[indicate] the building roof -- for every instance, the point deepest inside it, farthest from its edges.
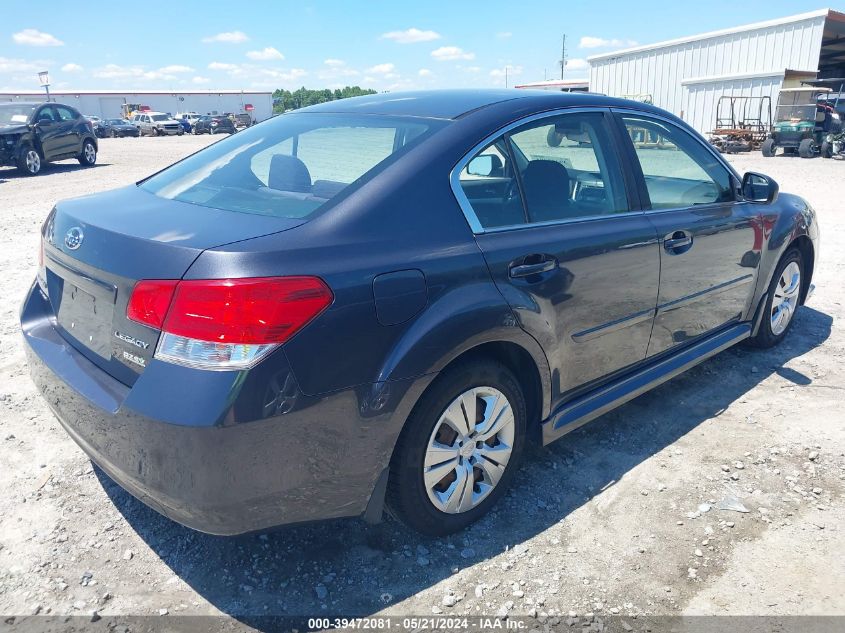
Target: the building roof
(737, 29)
(556, 83)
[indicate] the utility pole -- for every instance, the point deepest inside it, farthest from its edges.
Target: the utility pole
(506, 76)
(563, 58)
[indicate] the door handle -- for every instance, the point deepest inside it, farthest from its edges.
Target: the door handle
(526, 270)
(676, 241)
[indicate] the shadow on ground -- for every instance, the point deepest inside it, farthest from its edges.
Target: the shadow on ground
(47, 169)
(351, 568)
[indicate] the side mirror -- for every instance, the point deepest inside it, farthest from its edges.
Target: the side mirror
(44, 122)
(484, 165)
(759, 188)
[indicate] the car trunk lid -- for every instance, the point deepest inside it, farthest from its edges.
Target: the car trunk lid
(97, 247)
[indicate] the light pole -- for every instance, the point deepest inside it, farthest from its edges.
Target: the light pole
(44, 78)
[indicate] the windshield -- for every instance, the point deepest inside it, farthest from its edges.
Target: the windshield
(15, 113)
(291, 165)
(117, 122)
(796, 113)
(160, 117)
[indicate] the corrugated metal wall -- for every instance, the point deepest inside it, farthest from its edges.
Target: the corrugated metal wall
(687, 78)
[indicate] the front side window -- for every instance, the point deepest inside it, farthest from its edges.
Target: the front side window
(292, 165)
(559, 168)
(679, 171)
(66, 114)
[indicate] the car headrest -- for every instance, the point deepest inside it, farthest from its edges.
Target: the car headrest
(288, 173)
(546, 184)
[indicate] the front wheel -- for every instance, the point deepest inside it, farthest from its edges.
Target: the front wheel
(783, 298)
(89, 154)
(30, 161)
(807, 148)
(768, 148)
(459, 449)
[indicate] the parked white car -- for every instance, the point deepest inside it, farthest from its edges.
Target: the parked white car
(157, 124)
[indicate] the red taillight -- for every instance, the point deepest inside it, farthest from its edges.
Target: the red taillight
(259, 310)
(150, 300)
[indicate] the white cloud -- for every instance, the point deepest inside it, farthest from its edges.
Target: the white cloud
(512, 71)
(449, 53)
(266, 54)
(381, 69)
(221, 66)
(10, 65)
(577, 64)
(504, 35)
(334, 62)
(72, 68)
(424, 72)
(114, 71)
(33, 37)
(176, 68)
(200, 80)
(229, 37)
(597, 42)
(411, 36)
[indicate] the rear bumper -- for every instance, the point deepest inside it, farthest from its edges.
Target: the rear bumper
(214, 450)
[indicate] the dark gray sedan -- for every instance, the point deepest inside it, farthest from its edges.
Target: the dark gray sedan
(384, 299)
(115, 128)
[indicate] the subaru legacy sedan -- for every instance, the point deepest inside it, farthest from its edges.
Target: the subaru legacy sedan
(377, 303)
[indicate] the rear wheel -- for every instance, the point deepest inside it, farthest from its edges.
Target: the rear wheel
(459, 450)
(30, 161)
(782, 301)
(768, 148)
(88, 157)
(807, 148)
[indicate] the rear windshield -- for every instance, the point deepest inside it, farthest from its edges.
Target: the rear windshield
(291, 165)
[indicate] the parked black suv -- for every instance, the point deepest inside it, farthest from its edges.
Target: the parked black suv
(34, 133)
(214, 124)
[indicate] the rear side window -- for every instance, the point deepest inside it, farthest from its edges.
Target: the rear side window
(556, 169)
(291, 165)
(679, 171)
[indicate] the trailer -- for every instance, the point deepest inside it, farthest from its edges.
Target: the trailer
(742, 123)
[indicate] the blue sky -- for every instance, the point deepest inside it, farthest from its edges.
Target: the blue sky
(397, 45)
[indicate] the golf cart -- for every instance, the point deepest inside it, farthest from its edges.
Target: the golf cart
(803, 120)
(834, 142)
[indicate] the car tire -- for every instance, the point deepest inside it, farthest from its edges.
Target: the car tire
(30, 162)
(441, 507)
(88, 157)
(826, 150)
(788, 289)
(768, 148)
(807, 148)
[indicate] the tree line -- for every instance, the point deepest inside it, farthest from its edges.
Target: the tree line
(284, 100)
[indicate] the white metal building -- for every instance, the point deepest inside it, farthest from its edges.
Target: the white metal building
(687, 76)
(108, 104)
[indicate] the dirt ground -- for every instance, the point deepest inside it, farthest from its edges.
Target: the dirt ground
(619, 517)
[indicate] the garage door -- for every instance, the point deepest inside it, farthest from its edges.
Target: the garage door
(111, 107)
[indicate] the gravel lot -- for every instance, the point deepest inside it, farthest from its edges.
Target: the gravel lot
(619, 517)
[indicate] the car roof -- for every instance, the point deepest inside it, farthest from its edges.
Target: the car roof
(453, 104)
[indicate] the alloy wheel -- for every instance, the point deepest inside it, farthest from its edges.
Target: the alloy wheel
(90, 153)
(469, 450)
(33, 161)
(785, 301)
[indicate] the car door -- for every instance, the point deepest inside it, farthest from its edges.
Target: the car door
(709, 257)
(68, 137)
(48, 132)
(565, 242)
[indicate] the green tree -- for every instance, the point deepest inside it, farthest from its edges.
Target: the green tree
(284, 100)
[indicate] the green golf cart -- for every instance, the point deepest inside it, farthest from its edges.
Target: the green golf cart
(803, 120)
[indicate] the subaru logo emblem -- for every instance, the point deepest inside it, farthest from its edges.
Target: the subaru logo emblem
(73, 238)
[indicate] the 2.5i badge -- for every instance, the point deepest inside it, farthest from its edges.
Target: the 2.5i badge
(132, 358)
